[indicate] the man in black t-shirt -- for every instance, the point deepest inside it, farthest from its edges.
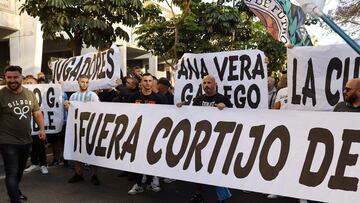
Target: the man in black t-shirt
(210, 98)
(351, 101)
(146, 96)
(163, 87)
(124, 90)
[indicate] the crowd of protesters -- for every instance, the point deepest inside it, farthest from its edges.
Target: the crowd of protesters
(140, 88)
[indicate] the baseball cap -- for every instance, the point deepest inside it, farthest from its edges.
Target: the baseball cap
(164, 81)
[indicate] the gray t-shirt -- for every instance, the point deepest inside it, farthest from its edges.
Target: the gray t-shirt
(15, 116)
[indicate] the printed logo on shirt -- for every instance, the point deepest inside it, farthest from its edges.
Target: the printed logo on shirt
(139, 101)
(21, 111)
(19, 103)
(19, 108)
(204, 103)
(284, 98)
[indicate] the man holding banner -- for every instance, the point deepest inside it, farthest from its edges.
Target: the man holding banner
(146, 96)
(38, 155)
(83, 95)
(17, 106)
(210, 98)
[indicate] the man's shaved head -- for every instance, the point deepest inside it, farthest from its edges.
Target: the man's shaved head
(209, 85)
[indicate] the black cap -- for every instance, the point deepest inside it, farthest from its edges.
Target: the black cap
(164, 81)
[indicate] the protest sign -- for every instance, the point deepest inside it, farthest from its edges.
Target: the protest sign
(50, 98)
(308, 155)
(103, 68)
(240, 75)
(318, 75)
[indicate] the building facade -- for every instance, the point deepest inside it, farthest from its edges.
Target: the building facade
(20, 38)
(21, 43)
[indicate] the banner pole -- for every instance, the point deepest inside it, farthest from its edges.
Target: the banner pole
(340, 32)
(311, 8)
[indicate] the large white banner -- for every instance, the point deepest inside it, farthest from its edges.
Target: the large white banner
(240, 75)
(309, 155)
(50, 98)
(318, 75)
(103, 68)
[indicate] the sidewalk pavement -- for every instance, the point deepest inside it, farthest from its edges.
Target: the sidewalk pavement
(54, 188)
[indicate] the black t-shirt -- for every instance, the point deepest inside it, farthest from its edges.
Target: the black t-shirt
(204, 100)
(153, 98)
(106, 96)
(343, 107)
(169, 97)
(123, 93)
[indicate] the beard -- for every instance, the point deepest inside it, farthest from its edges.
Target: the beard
(14, 86)
(350, 99)
(208, 90)
(83, 88)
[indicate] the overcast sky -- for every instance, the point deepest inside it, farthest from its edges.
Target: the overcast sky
(325, 36)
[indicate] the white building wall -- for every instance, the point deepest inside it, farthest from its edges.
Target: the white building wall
(26, 43)
(26, 46)
(9, 18)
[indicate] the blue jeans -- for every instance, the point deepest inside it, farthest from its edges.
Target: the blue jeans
(15, 157)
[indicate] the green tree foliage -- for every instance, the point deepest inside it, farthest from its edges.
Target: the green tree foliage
(206, 27)
(85, 21)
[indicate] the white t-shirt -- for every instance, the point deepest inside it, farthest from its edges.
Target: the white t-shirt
(282, 97)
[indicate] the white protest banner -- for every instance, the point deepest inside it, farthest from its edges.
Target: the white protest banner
(103, 68)
(240, 75)
(318, 75)
(309, 155)
(50, 98)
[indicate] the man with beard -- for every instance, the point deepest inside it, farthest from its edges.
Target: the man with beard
(351, 101)
(83, 95)
(124, 90)
(17, 105)
(137, 73)
(210, 98)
